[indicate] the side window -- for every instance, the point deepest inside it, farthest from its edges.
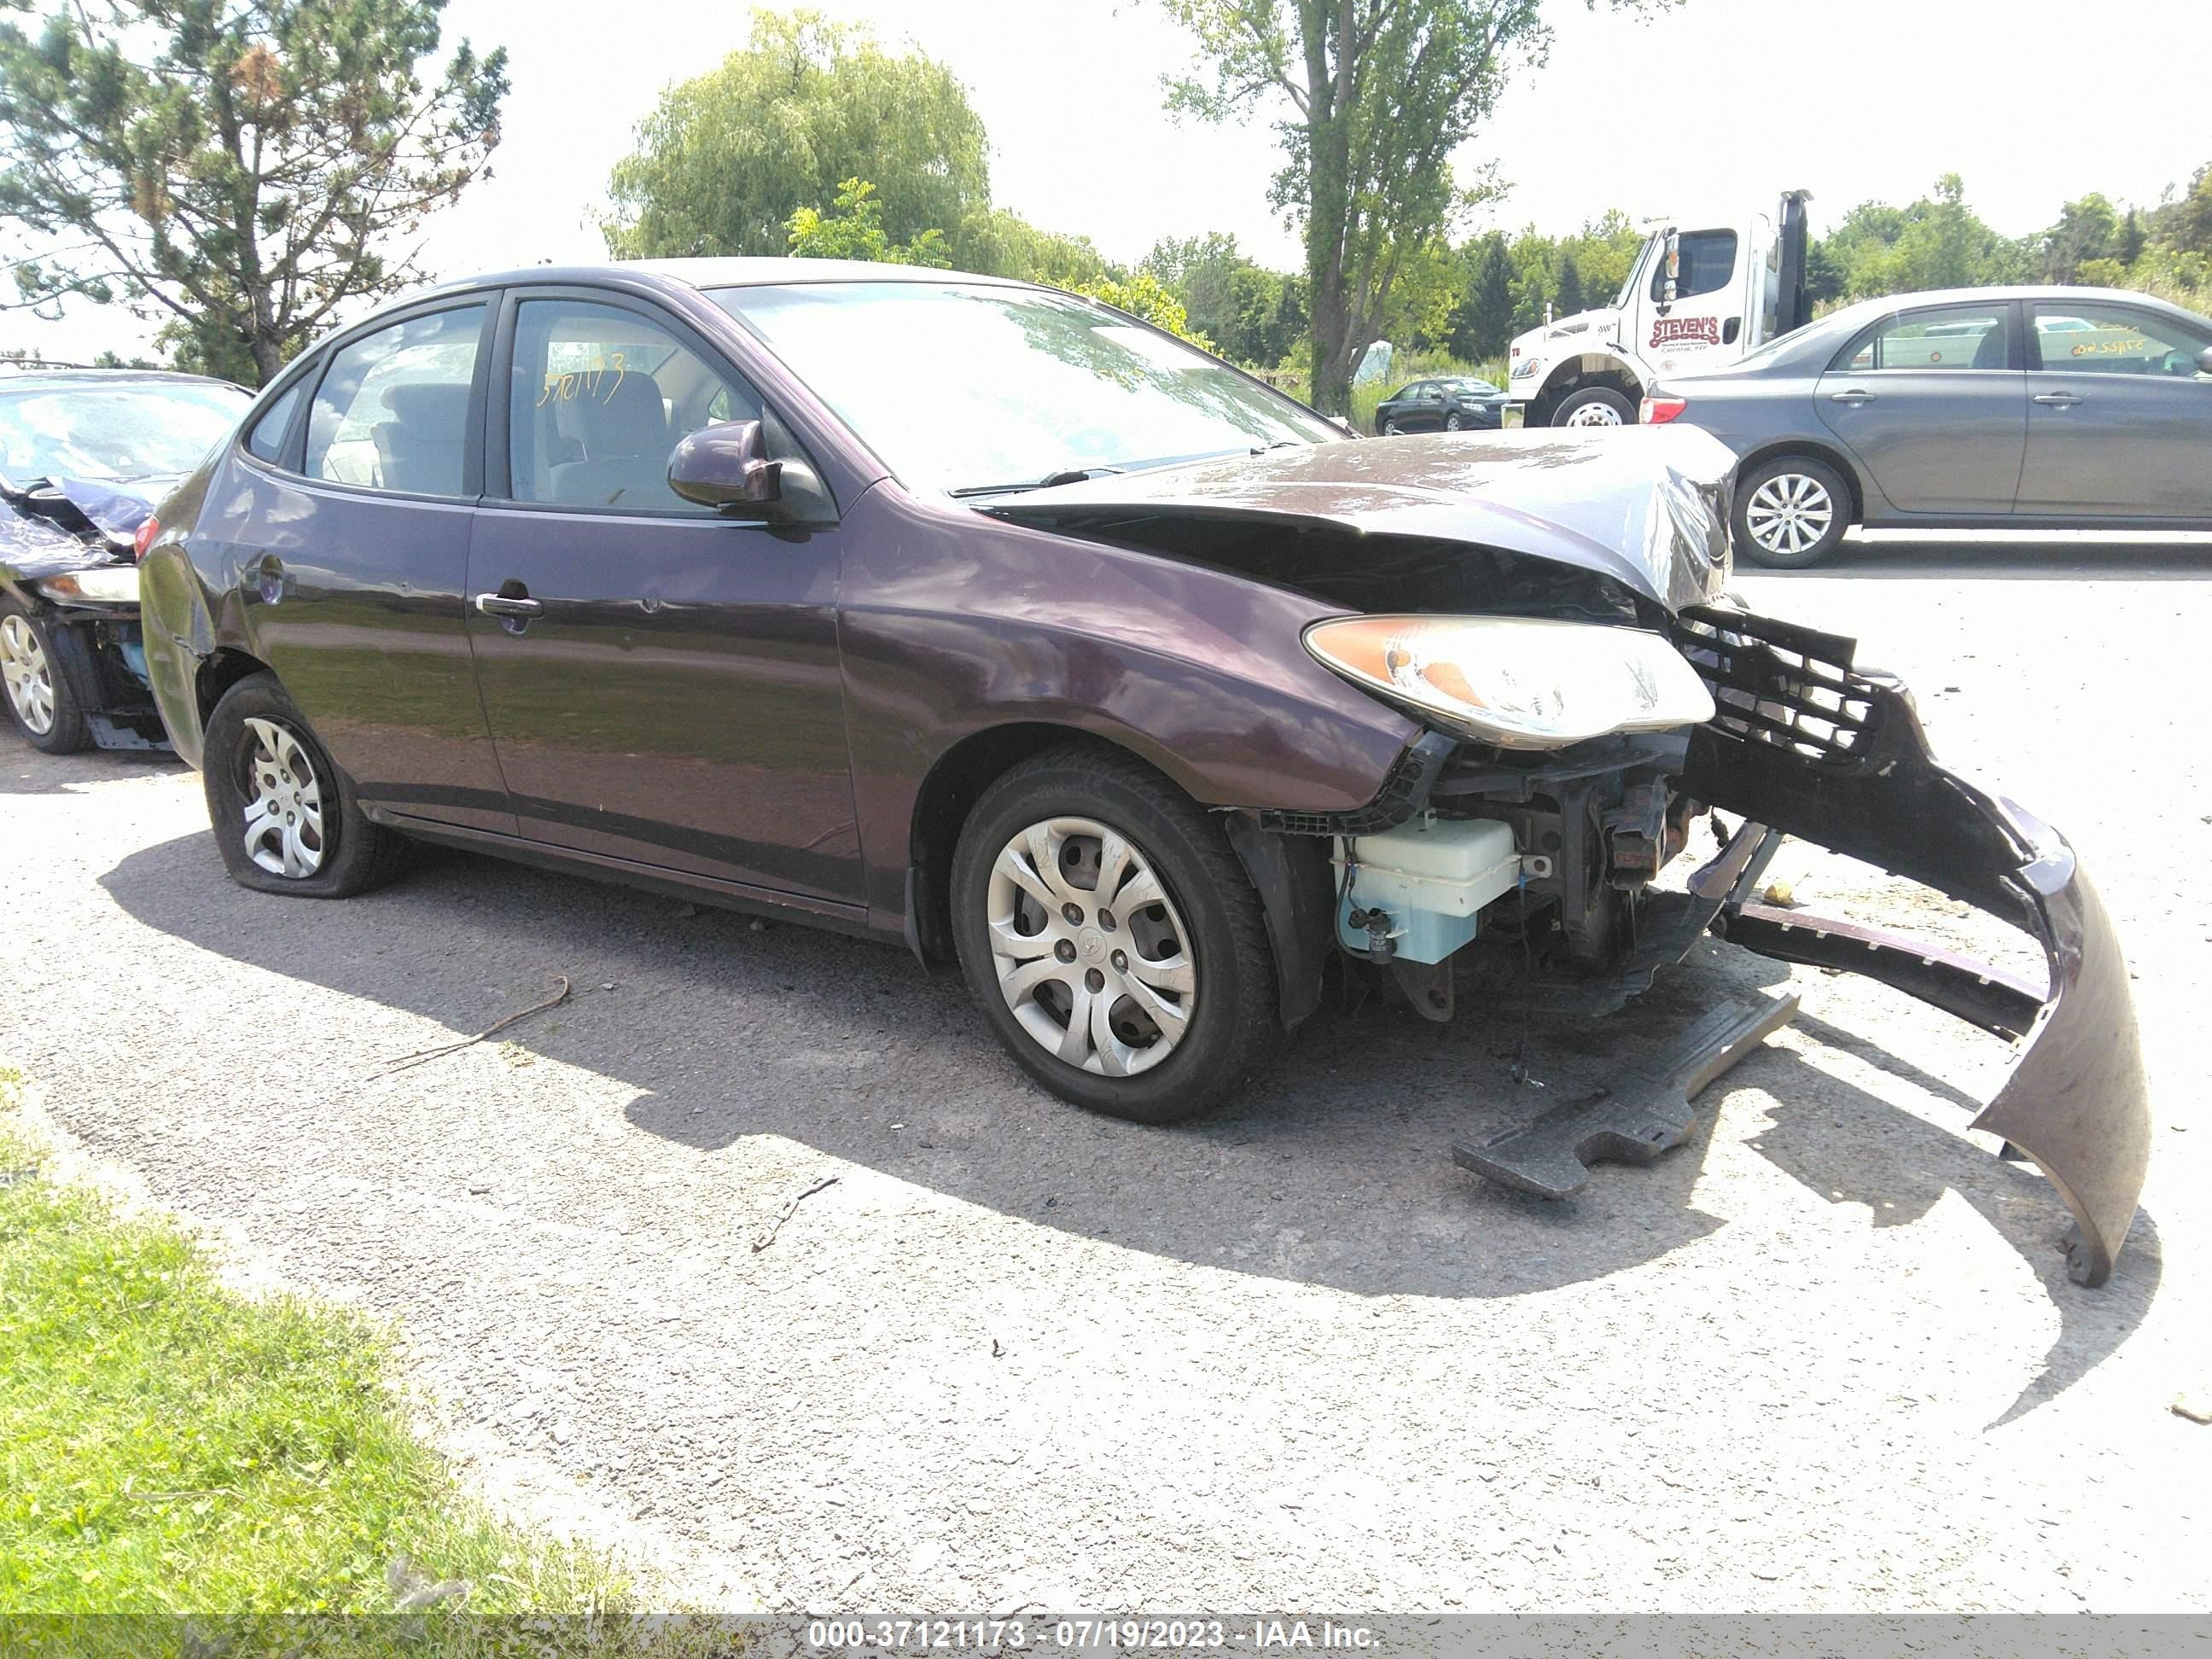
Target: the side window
(1706, 264)
(266, 437)
(2100, 340)
(601, 396)
(1964, 337)
(393, 411)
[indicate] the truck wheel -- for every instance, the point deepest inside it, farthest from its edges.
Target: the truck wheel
(1790, 512)
(1597, 406)
(38, 695)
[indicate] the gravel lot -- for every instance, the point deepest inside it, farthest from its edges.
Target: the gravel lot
(1824, 1358)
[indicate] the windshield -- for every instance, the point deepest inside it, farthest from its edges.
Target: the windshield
(110, 434)
(971, 386)
(1628, 283)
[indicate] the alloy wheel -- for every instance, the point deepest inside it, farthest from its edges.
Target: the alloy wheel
(1089, 950)
(1788, 512)
(27, 674)
(283, 813)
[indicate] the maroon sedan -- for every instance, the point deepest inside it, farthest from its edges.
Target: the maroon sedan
(971, 614)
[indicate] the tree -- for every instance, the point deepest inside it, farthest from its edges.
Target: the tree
(2131, 247)
(2190, 218)
(1142, 295)
(2086, 230)
(1482, 323)
(726, 159)
(239, 168)
(1380, 92)
(856, 232)
(1569, 293)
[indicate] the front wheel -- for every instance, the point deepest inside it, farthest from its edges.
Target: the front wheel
(1790, 512)
(38, 697)
(1112, 938)
(1452, 421)
(285, 820)
(1597, 406)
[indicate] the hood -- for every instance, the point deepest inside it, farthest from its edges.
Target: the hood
(1597, 324)
(1644, 509)
(67, 524)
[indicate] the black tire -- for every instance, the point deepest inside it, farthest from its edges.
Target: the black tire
(1591, 398)
(1386, 428)
(352, 855)
(1234, 1025)
(66, 729)
(1452, 421)
(1826, 481)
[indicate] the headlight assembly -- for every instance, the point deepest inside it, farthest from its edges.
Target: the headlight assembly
(107, 584)
(1519, 683)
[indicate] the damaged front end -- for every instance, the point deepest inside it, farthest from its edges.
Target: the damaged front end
(1552, 854)
(66, 558)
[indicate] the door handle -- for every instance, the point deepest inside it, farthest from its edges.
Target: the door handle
(2057, 399)
(498, 605)
(1853, 396)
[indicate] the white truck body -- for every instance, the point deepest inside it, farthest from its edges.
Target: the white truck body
(1700, 293)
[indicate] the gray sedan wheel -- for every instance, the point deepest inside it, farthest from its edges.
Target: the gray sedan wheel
(1790, 512)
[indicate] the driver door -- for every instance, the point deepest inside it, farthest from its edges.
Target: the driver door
(672, 698)
(2120, 421)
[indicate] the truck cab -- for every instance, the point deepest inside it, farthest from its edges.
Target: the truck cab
(1700, 293)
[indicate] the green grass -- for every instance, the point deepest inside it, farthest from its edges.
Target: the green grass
(168, 1446)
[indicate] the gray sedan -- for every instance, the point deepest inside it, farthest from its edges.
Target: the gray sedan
(2032, 408)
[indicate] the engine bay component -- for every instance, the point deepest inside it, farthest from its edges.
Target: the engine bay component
(1413, 894)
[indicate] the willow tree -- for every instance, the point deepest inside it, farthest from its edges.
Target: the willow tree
(1375, 96)
(726, 159)
(239, 170)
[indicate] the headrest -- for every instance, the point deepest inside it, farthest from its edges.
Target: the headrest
(429, 410)
(623, 416)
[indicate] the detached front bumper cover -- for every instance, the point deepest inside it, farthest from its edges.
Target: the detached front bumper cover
(1808, 744)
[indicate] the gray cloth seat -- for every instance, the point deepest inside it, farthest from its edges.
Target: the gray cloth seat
(419, 449)
(622, 428)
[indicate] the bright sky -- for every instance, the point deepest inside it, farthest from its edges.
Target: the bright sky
(1724, 102)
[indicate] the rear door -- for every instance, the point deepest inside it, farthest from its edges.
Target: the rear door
(1934, 403)
(675, 700)
(2120, 421)
(349, 534)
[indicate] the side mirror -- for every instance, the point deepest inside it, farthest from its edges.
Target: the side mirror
(726, 466)
(2204, 360)
(1673, 265)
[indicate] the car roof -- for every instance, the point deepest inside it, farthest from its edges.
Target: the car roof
(1883, 304)
(730, 272)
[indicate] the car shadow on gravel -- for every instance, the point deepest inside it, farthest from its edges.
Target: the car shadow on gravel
(1333, 1170)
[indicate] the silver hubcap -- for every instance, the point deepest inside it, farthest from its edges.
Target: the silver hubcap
(1389, 428)
(1090, 953)
(1788, 512)
(1595, 415)
(284, 803)
(24, 673)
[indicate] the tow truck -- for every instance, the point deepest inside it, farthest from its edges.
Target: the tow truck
(1701, 292)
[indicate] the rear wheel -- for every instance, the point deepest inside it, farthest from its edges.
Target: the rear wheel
(1596, 406)
(1390, 428)
(285, 820)
(37, 697)
(1790, 512)
(1112, 938)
